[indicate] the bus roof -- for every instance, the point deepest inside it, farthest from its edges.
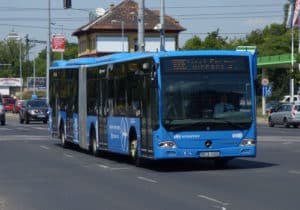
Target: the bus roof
(123, 57)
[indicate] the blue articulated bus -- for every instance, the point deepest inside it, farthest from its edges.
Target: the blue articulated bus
(157, 105)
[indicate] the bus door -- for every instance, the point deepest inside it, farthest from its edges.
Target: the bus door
(103, 108)
(149, 116)
(54, 101)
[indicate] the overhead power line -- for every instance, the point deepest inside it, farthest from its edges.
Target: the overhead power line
(9, 9)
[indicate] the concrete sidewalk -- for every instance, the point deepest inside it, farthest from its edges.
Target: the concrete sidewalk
(261, 120)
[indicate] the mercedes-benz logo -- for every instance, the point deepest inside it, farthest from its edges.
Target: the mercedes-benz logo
(208, 143)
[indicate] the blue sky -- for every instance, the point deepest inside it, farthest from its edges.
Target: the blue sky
(233, 18)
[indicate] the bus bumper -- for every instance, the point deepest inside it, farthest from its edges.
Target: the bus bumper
(242, 151)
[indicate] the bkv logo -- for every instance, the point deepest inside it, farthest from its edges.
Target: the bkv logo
(124, 134)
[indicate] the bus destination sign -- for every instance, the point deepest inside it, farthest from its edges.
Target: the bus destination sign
(205, 63)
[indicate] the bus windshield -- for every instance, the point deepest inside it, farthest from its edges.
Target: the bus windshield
(206, 93)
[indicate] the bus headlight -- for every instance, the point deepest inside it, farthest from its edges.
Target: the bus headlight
(167, 144)
(248, 142)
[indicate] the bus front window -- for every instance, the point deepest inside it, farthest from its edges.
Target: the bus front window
(210, 100)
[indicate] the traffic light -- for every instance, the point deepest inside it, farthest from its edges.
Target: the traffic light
(67, 4)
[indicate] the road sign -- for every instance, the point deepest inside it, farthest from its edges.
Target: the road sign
(264, 81)
(267, 91)
(251, 49)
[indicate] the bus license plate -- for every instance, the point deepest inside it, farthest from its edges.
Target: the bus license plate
(209, 154)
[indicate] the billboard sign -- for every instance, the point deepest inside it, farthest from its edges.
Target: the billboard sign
(58, 43)
(10, 82)
(40, 83)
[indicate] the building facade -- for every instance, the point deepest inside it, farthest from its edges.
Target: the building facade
(115, 30)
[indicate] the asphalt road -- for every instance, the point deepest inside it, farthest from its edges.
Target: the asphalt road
(36, 173)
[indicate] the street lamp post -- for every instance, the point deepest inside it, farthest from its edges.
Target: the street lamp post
(15, 36)
(20, 60)
(48, 51)
(122, 26)
(33, 76)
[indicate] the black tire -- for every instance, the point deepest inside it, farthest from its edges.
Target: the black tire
(63, 141)
(93, 145)
(296, 125)
(45, 121)
(270, 123)
(21, 120)
(285, 123)
(3, 122)
(137, 161)
(27, 120)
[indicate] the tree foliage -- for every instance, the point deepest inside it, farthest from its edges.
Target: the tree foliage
(211, 42)
(10, 54)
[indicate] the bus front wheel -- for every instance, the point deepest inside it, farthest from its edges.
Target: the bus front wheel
(134, 153)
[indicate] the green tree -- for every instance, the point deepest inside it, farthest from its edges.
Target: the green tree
(193, 44)
(215, 41)
(71, 51)
(10, 54)
(212, 41)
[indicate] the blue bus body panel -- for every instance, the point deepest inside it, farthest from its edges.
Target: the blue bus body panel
(75, 128)
(50, 120)
(118, 133)
(190, 144)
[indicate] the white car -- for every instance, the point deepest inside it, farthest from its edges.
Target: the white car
(285, 114)
(286, 99)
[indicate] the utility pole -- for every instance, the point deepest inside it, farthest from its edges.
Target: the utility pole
(141, 38)
(162, 24)
(48, 51)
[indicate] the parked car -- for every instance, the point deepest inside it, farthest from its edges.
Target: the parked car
(17, 106)
(9, 104)
(286, 114)
(33, 110)
(271, 106)
(286, 99)
(2, 112)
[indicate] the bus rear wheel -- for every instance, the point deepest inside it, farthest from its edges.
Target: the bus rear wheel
(63, 141)
(93, 147)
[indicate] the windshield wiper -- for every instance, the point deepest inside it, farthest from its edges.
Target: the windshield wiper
(234, 125)
(202, 125)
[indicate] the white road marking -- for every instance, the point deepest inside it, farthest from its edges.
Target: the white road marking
(116, 169)
(294, 172)
(67, 155)
(112, 168)
(213, 200)
(44, 147)
(146, 179)
(102, 166)
(40, 128)
(23, 138)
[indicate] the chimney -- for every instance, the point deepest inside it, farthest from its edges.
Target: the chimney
(111, 6)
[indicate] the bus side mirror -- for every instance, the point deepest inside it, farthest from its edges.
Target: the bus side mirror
(154, 75)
